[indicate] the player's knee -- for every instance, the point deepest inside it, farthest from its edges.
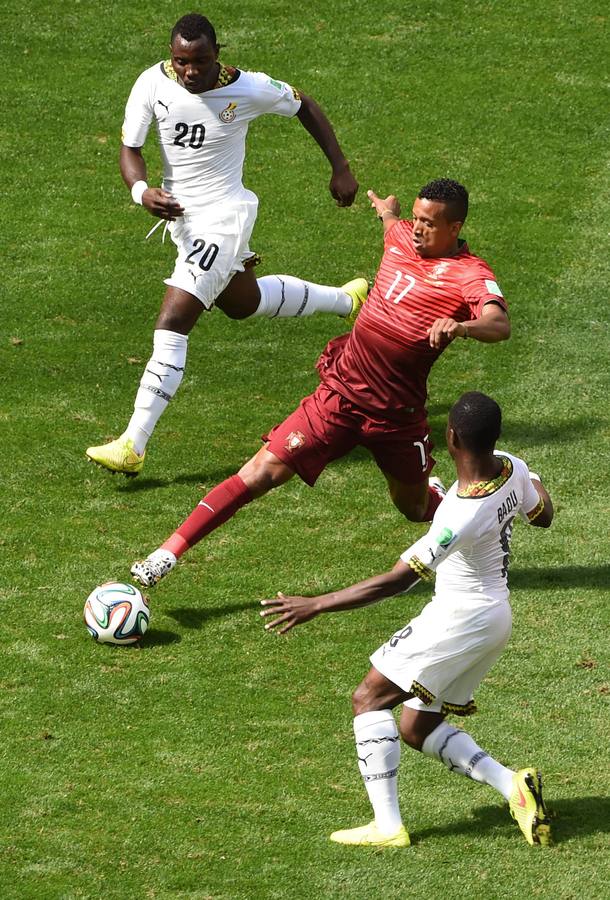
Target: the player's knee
(417, 513)
(263, 473)
(359, 700)
(413, 511)
(366, 699)
(234, 310)
(411, 735)
(257, 478)
(176, 322)
(241, 297)
(411, 502)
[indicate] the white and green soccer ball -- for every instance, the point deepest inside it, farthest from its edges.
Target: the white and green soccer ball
(116, 613)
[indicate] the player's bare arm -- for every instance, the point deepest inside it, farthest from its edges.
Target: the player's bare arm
(293, 611)
(388, 209)
(492, 326)
(343, 186)
(158, 202)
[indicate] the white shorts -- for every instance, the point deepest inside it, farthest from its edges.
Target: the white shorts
(444, 653)
(212, 246)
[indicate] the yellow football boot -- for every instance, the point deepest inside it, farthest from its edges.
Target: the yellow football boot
(118, 456)
(357, 289)
(370, 836)
(528, 809)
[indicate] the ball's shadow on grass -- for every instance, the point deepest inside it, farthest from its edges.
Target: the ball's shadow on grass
(570, 819)
(191, 617)
(157, 638)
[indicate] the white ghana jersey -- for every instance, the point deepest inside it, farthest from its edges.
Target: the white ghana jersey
(468, 543)
(203, 136)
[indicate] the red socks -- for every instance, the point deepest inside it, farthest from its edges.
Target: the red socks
(217, 507)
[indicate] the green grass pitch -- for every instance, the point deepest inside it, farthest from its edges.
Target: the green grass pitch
(213, 761)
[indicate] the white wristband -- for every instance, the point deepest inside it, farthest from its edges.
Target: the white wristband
(137, 190)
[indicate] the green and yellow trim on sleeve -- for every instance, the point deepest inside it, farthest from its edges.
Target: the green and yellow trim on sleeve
(485, 488)
(535, 511)
(422, 570)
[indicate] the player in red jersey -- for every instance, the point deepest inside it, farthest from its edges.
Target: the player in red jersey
(429, 290)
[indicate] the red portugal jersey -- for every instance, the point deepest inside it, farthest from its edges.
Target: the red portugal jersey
(382, 365)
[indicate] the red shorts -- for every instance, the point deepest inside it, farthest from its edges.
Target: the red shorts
(326, 426)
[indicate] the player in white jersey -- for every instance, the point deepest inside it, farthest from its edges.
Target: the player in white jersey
(202, 110)
(434, 664)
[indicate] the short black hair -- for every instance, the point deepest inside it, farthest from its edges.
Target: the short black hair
(477, 421)
(192, 27)
(454, 194)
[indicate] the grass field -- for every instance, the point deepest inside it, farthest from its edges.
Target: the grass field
(213, 761)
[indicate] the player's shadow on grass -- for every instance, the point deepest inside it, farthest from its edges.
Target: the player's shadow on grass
(209, 479)
(528, 433)
(191, 617)
(560, 577)
(570, 819)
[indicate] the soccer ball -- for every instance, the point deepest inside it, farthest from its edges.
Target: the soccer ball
(116, 613)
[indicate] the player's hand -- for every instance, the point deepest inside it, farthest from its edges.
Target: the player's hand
(291, 611)
(343, 186)
(380, 205)
(442, 331)
(161, 204)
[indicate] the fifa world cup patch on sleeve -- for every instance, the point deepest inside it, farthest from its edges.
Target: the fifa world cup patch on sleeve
(276, 84)
(445, 538)
(493, 287)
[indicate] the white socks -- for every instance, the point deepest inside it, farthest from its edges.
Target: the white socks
(457, 750)
(284, 295)
(159, 383)
(378, 749)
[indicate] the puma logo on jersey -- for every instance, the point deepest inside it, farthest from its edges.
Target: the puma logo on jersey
(161, 103)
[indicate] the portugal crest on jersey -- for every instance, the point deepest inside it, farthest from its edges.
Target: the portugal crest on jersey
(227, 115)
